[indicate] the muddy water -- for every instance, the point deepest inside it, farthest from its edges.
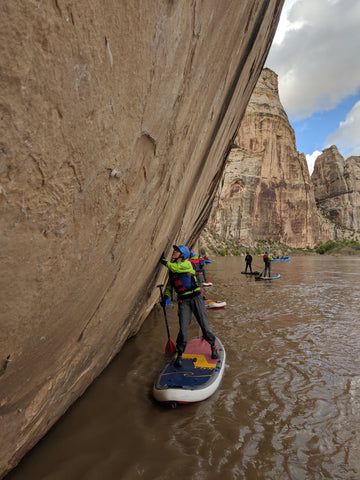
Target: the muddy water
(288, 406)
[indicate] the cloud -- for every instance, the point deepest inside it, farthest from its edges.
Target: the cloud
(311, 160)
(285, 24)
(315, 54)
(347, 136)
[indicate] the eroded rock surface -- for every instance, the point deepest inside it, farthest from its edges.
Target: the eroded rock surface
(116, 120)
(337, 187)
(266, 190)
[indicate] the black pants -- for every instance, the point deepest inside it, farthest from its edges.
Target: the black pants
(248, 265)
(267, 269)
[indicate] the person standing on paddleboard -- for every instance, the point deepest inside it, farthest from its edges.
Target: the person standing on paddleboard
(182, 279)
(248, 260)
(267, 259)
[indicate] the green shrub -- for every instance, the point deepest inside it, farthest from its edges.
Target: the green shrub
(223, 253)
(331, 244)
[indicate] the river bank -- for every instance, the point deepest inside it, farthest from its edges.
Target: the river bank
(215, 245)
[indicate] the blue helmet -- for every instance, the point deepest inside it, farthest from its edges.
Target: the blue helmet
(185, 252)
(267, 253)
(192, 254)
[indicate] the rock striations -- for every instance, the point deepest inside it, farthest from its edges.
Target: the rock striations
(266, 192)
(116, 119)
(337, 187)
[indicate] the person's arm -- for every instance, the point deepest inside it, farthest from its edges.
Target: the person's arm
(168, 290)
(181, 267)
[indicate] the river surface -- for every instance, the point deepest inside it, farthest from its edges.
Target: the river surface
(288, 406)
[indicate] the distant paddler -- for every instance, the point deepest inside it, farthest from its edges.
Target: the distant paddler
(248, 260)
(267, 260)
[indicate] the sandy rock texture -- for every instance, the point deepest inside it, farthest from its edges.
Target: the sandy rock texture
(116, 120)
(337, 187)
(266, 190)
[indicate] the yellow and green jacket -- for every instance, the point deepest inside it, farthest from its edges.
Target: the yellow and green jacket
(182, 279)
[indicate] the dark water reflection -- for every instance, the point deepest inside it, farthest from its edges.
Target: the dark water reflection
(288, 406)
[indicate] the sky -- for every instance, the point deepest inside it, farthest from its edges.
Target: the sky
(316, 55)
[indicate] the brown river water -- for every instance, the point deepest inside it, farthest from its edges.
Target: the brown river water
(288, 406)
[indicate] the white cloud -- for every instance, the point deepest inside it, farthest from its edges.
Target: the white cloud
(347, 136)
(355, 153)
(315, 54)
(285, 24)
(311, 160)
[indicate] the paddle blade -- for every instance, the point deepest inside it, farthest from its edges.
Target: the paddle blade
(170, 347)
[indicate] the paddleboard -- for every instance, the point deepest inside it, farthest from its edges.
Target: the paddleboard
(198, 377)
(207, 284)
(272, 277)
(257, 272)
(214, 304)
(286, 259)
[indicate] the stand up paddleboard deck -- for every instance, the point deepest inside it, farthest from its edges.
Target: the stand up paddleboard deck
(214, 304)
(257, 272)
(198, 377)
(272, 277)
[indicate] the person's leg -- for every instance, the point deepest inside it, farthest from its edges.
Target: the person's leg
(202, 318)
(202, 272)
(184, 313)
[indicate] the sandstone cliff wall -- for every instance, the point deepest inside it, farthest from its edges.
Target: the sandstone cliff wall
(116, 119)
(266, 191)
(337, 187)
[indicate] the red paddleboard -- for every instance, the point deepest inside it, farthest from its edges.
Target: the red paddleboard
(214, 304)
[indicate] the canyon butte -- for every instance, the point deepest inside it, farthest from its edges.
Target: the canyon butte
(266, 192)
(116, 122)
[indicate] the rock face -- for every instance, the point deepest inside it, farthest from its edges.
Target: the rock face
(337, 187)
(266, 190)
(116, 120)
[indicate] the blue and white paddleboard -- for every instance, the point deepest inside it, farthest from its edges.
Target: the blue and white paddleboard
(198, 377)
(272, 277)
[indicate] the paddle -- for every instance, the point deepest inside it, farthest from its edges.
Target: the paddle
(170, 347)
